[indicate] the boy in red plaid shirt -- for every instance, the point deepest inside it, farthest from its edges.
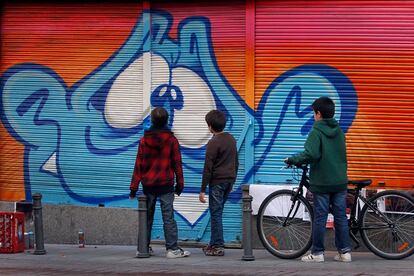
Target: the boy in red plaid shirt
(158, 160)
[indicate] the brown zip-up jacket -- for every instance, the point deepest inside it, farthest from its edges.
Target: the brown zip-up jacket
(221, 162)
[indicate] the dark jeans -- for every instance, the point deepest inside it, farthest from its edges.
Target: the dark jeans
(167, 210)
(321, 209)
(217, 197)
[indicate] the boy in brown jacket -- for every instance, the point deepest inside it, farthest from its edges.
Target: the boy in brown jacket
(219, 174)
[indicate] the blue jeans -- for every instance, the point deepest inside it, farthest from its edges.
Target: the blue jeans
(321, 209)
(217, 196)
(167, 211)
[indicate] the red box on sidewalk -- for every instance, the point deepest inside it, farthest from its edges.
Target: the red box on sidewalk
(11, 232)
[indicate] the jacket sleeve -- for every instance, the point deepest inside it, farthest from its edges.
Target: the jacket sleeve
(312, 151)
(211, 152)
(177, 165)
(136, 175)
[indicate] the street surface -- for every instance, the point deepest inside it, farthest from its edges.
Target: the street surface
(120, 260)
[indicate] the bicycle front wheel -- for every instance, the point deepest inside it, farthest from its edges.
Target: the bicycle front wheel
(389, 231)
(285, 226)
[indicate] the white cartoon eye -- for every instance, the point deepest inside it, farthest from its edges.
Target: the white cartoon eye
(160, 73)
(124, 106)
(189, 124)
(124, 103)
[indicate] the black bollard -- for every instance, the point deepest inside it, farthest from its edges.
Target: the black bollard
(247, 224)
(38, 223)
(142, 248)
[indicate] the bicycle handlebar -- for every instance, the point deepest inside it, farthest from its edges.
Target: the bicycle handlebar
(301, 166)
(358, 183)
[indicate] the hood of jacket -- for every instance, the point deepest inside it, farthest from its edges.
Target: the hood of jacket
(156, 138)
(329, 127)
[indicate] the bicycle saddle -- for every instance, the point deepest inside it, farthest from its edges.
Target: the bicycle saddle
(360, 183)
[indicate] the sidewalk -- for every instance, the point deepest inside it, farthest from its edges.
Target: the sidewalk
(120, 260)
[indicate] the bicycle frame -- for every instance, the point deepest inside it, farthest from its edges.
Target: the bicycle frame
(354, 224)
(368, 216)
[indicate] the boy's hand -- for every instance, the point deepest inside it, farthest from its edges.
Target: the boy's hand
(132, 194)
(178, 191)
(202, 197)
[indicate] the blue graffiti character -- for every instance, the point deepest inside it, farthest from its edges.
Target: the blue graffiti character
(81, 141)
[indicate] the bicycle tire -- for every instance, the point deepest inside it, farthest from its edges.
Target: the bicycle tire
(292, 240)
(390, 241)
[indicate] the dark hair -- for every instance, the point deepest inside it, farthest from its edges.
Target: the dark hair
(159, 117)
(216, 119)
(325, 106)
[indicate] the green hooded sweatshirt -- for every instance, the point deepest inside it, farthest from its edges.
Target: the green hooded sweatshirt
(325, 151)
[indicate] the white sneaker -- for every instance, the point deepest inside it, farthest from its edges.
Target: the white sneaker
(178, 253)
(343, 257)
(313, 258)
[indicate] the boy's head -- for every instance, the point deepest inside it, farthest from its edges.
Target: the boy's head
(216, 120)
(159, 117)
(325, 107)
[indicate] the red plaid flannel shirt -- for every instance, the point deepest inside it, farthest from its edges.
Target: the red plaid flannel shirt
(158, 159)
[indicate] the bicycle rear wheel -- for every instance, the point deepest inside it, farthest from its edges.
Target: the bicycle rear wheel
(390, 232)
(284, 236)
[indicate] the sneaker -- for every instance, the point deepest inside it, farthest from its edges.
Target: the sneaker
(178, 253)
(313, 258)
(346, 257)
(213, 251)
(205, 248)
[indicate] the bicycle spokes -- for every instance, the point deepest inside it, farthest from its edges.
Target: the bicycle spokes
(283, 227)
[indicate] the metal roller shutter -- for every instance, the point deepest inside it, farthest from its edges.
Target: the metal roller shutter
(202, 59)
(371, 44)
(76, 88)
(75, 94)
(58, 62)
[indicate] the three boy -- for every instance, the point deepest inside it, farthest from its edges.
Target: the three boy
(325, 151)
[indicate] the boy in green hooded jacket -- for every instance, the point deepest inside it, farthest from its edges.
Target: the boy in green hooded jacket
(325, 151)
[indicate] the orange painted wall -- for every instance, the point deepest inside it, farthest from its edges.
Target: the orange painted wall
(371, 42)
(71, 39)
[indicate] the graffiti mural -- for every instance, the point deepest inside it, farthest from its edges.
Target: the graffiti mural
(80, 141)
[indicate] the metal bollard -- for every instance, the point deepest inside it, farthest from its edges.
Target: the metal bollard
(247, 224)
(142, 247)
(38, 223)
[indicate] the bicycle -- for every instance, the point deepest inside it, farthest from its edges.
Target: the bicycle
(385, 221)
